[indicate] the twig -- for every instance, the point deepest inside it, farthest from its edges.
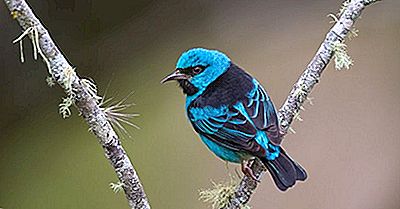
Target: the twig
(78, 91)
(301, 89)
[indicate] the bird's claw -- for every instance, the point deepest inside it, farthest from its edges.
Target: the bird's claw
(248, 172)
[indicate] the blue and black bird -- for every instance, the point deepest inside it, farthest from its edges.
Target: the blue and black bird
(233, 114)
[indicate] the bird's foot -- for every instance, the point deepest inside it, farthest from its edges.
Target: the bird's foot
(247, 171)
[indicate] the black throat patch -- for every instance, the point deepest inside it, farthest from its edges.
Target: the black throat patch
(188, 88)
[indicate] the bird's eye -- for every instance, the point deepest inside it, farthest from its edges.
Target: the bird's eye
(197, 70)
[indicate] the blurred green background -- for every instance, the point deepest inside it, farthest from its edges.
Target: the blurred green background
(348, 142)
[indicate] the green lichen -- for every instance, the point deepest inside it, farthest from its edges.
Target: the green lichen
(50, 81)
(353, 33)
(292, 130)
(298, 117)
(69, 100)
(310, 100)
(15, 14)
(221, 193)
(64, 106)
(91, 88)
(340, 56)
(69, 73)
(117, 187)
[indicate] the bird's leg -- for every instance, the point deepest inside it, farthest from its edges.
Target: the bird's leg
(247, 170)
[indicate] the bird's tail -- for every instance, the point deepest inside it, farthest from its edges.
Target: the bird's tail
(284, 171)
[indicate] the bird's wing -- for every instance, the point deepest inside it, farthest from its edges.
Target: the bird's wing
(262, 112)
(227, 126)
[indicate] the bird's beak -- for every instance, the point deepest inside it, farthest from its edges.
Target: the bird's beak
(176, 75)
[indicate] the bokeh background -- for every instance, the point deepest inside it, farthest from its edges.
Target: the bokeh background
(348, 142)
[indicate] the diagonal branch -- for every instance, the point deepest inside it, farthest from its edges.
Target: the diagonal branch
(302, 88)
(85, 100)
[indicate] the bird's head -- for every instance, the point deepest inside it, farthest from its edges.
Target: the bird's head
(197, 68)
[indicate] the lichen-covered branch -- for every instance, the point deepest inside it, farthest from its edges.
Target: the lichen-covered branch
(302, 88)
(82, 95)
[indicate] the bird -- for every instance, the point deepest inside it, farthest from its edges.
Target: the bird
(233, 114)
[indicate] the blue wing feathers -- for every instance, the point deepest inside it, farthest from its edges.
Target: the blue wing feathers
(211, 128)
(237, 121)
(262, 112)
(266, 117)
(255, 110)
(242, 125)
(237, 133)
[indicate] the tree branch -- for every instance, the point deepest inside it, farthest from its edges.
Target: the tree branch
(301, 89)
(85, 99)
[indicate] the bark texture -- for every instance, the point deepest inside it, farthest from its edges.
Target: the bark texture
(301, 89)
(86, 102)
